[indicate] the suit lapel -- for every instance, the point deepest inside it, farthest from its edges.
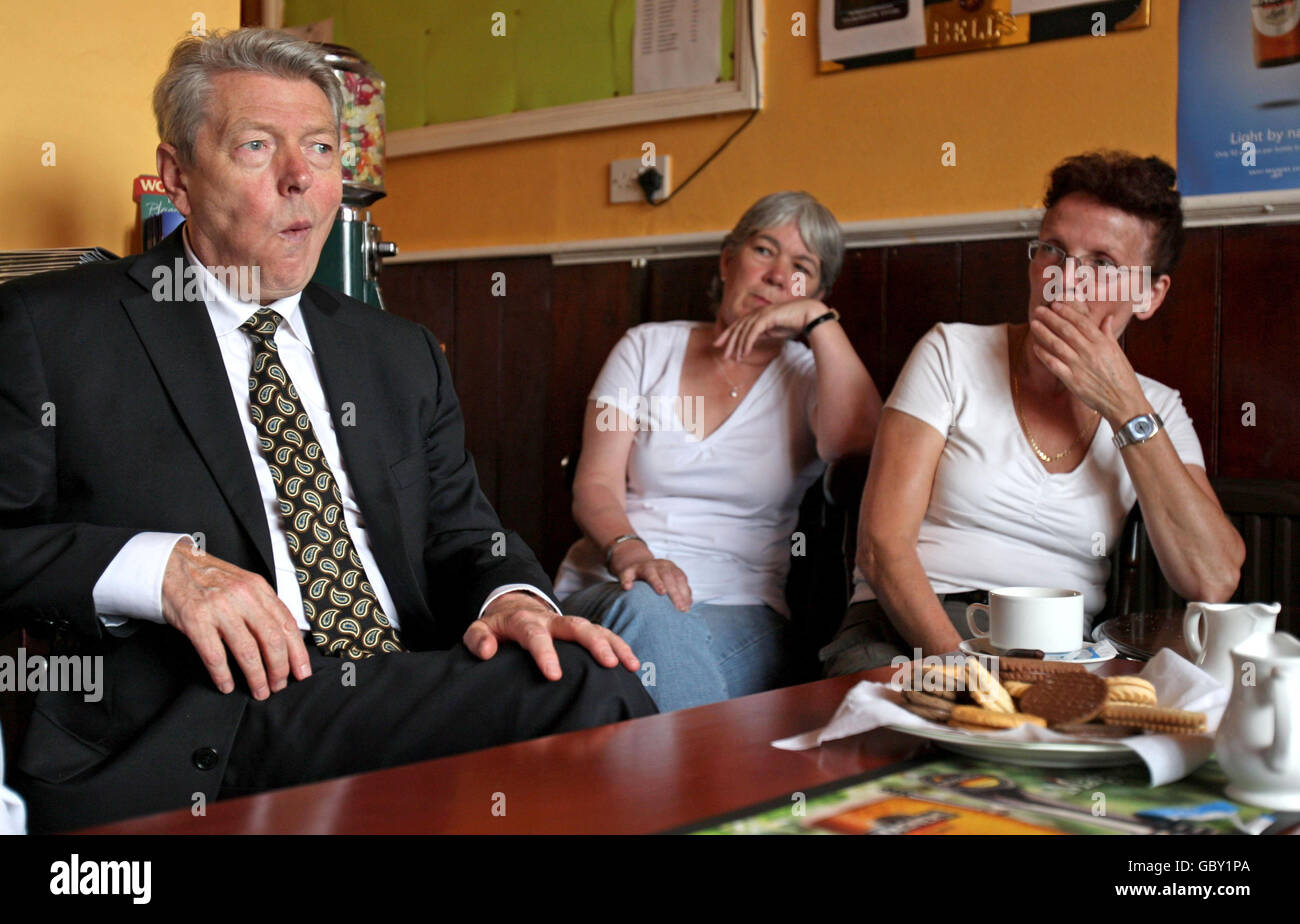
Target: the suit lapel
(360, 416)
(179, 338)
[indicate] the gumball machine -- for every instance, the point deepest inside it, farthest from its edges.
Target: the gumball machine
(352, 257)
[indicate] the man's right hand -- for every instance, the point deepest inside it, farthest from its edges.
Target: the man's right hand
(218, 606)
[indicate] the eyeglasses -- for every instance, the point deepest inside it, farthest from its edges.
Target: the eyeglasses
(1050, 254)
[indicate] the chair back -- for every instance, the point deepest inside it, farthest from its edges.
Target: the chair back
(1266, 513)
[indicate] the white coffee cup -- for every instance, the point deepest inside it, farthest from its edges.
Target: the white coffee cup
(1049, 619)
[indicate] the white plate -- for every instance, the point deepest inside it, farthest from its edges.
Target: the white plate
(986, 746)
(1090, 653)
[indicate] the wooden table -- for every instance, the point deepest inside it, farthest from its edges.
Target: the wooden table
(636, 777)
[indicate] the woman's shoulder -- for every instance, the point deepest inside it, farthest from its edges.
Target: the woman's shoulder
(656, 332)
(957, 345)
(963, 336)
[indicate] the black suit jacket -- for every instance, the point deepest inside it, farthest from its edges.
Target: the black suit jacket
(116, 417)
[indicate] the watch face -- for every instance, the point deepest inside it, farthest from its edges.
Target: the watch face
(1142, 428)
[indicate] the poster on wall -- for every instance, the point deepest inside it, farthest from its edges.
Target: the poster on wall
(864, 33)
(1238, 96)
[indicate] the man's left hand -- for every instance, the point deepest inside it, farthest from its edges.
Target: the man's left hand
(522, 618)
(1088, 360)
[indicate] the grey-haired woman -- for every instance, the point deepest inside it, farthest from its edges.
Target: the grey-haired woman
(699, 441)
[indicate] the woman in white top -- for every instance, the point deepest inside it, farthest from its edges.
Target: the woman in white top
(998, 461)
(698, 444)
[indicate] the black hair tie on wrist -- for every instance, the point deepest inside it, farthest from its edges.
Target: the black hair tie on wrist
(831, 315)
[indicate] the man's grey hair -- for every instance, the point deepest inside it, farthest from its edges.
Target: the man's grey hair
(180, 99)
(817, 226)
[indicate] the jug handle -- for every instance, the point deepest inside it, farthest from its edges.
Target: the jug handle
(1280, 756)
(1192, 632)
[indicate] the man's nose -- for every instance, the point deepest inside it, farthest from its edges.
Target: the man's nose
(295, 172)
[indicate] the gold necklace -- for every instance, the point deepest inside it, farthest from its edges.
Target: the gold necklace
(1015, 391)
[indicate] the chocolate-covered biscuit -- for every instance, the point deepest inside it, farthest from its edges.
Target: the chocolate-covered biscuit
(1066, 698)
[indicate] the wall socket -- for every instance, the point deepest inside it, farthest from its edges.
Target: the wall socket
(623, 186)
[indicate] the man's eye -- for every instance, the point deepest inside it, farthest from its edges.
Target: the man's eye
(322, 147)
(255, 145)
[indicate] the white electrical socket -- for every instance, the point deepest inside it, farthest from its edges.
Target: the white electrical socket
(623, 186)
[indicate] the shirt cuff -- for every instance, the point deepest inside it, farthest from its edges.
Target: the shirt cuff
(511, 588)
(131, 585)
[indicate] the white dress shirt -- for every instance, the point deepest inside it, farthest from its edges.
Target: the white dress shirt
(131, 585)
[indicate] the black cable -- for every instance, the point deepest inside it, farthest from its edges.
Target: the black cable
(753, 50)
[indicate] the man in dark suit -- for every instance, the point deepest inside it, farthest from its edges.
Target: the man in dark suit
(187, 478)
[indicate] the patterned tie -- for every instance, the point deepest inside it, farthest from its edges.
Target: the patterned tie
(337, 600)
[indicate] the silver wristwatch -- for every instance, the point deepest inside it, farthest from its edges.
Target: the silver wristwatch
(1138, 430)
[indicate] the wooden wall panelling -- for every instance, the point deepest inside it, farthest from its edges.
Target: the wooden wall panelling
(994, 282)
(479, 316)
(424, 293)
(679, 289)
(526, 358)
(922, 288)
(1260, 343)
(858, 295)
(591, 308)
(1178, 345)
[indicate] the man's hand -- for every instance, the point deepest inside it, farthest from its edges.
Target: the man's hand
(522, 618)
(772, 323)
(218, 606)
(1088, 360)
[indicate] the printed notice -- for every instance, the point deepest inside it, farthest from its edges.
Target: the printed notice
(677, 44)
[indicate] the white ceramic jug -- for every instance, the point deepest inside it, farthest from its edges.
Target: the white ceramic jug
(1225, 626)
(1258, 742)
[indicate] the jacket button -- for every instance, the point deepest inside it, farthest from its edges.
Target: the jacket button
(205, 758)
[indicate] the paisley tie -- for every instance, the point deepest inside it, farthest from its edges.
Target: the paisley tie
(338, 601)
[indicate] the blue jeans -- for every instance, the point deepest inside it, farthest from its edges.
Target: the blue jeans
(706, 655)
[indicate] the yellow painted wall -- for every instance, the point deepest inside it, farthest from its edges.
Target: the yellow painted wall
(80, 74)
(866, 142)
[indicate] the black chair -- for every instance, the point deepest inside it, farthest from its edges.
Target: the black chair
(821, 579)
(1266, 513)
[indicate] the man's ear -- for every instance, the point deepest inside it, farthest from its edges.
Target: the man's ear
(1159, 289)
(173, 177)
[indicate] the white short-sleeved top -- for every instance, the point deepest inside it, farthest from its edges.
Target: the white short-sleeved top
(996, 518)
(724, 508)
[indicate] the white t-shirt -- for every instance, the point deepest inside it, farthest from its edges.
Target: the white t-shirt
(996, 518)
(724, 508)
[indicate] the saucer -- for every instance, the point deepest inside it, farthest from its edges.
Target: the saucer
(1087, 653)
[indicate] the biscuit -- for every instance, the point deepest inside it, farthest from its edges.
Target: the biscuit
(1031, 669)
(1130, 689)
(966, 726)
(1153, 718)
(988, 718)
(928, 712)
(941, 680)
(1066, 698)
(1096, 730)
(929, 701)
(1017, 688)
(985, 689)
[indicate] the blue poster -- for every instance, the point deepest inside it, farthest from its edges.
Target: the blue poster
(1238, 96)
